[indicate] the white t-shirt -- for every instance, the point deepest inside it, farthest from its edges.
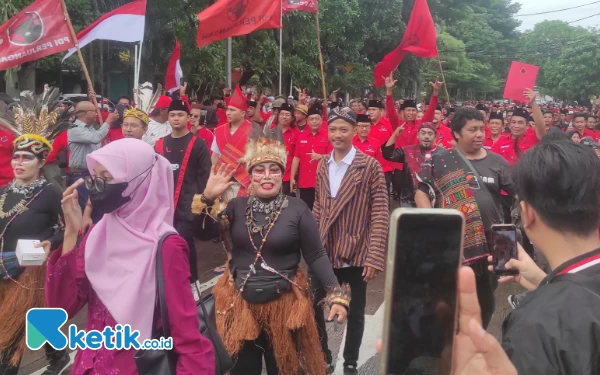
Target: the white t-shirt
(156, 131)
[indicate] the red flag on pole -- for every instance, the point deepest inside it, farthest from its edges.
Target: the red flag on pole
(37, 31)
(227, 18)
(419, 39)
(174, 72)
(302, 5)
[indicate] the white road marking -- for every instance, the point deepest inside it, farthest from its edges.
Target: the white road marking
(373, 332)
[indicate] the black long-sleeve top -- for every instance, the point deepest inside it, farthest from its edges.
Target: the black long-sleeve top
(294, 235)
(404, 180)
(41, 221)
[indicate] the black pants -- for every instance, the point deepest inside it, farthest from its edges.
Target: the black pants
(308, 196)
(356, 314)
(388, 181)
(186, 230)
(486, 284)
(250, 357)
(285, 187)
(51, 353)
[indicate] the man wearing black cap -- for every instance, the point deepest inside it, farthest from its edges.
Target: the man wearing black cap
(191, 164)
(412, 158)
(286, 133)
(369, 145)
(496, 124)
(352, 210)
(313, 145)
(484, 111)
(522, 137)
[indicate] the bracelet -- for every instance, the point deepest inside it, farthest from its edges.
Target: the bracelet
(339, 295)
(201, 205)
(207, 201)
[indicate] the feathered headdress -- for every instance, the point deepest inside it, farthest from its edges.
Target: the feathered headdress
(36, 120)
(146, 97)
(264, 150)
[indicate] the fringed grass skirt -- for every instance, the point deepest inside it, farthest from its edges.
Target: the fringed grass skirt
(288, 321)
(15, 301)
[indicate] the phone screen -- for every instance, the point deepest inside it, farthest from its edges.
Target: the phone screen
(504, 248)
(423, 304)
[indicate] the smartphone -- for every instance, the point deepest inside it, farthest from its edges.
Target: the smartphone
(425, 252)
(504, 248)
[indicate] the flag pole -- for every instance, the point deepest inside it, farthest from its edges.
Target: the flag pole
(281, 51)
(443, 78)
(83, 66)
(135, 65)
(321, 58)
(139, 66)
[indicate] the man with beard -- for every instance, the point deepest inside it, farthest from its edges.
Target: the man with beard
(522, 137)
(412, 158)
(469, 179)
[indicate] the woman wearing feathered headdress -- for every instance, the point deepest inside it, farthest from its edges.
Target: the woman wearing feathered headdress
(262, 301)
(29, 209)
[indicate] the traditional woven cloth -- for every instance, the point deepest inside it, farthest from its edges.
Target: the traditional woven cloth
(447, 178)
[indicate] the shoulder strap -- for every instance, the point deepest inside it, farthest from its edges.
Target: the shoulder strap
(160, 288)
(586, 282)
(475, 173)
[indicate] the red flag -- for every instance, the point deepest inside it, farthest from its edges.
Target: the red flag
(303, 5)
(419, 39)
(520, 77)
(227, 18)
(174, 72)
(37, 31)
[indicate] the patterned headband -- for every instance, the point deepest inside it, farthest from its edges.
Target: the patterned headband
(33, 143)
(134, 112)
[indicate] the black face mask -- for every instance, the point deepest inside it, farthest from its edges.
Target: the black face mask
(111, 199)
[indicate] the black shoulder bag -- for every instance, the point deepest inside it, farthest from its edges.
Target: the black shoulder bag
(164, 362)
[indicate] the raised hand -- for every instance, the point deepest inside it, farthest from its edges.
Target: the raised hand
(437, 85)
(531, 95)
(71, 208)
(390, 82)
(219, 180)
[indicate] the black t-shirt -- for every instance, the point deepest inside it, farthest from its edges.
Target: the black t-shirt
(174, 151)
(494, 170)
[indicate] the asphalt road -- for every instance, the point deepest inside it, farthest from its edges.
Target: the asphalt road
(210, 255)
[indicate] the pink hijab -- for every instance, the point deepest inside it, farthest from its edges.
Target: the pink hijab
(120, 253)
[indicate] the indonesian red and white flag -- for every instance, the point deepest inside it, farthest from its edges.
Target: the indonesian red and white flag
(227, 18)
(174, 72)
(124, 24)
(37, 31)
(302, 5)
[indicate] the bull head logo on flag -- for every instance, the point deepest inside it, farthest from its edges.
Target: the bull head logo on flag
(27, 29)
(236, 11)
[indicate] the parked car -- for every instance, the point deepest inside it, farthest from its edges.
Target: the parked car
(76, 98)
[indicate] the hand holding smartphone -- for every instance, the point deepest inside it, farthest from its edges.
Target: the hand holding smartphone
(504, 248)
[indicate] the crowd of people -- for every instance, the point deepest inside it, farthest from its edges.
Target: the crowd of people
(278, 180)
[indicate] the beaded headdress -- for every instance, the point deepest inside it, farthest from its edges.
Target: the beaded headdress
(134, 112)
(36, 120)
(264, 150)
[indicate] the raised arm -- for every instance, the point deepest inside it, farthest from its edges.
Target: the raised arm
(434, 101)
(390, 104)
(538, 116)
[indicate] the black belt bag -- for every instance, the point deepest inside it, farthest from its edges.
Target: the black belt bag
(263, 286)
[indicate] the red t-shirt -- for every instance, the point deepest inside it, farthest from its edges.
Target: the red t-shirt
(594, 134)
(444, 136)
(382, 131)
(6, 153)
(208, 137)
(372, 148)
(505, 146)
(60, 143)
(221, 115)
(307, 143)
(290, 139)
(114, 134)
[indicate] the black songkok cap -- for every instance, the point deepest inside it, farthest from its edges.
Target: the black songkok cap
(375, 104)
(342, 113)
(286, 107)
(363, 118)
(481, 107)
(520, 112)
(438, 108)
(564, 111)
(179, 105)
(316, 109)
(497, 115)
(408, 104)
(252, 103)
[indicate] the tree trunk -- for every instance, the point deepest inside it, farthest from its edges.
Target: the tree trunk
(26, 77)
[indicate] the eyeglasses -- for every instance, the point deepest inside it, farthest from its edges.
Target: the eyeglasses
(131, 126)
(195, 116)
(99, 183)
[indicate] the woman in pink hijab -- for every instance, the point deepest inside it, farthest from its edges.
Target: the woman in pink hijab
(113, 270)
